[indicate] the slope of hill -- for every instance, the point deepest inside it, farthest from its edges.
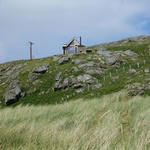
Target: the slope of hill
(110, 67)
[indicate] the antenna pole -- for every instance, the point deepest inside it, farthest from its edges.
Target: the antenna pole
(31, 50)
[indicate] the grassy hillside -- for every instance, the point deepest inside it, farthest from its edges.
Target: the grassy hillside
(114, 122)
(41, 90)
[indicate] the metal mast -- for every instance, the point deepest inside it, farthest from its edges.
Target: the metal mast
(31, 50)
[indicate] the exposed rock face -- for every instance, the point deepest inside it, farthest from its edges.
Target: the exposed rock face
(58, 79)
(41, 69)
(73, 82)
(13, 93)
(63, 60)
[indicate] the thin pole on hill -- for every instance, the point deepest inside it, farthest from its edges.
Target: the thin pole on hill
(31, 50)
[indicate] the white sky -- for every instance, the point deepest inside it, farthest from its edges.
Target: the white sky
(51, 23)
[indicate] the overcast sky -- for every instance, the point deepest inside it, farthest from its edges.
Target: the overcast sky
(51, 23)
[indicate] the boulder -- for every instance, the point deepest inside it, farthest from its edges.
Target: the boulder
(76, 61)
(86, 78)
(41, 69)
(111, 60)
(13, 93)
(101, 48)
(105, 53)
(146, 70)
(132, 71)
(63, 60)
(130, 53)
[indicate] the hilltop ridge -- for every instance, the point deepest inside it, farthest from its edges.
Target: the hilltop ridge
(107, 68)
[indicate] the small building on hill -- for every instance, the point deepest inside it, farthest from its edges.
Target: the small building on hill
(73, 47)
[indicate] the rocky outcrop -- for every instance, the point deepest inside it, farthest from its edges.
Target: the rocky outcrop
(73, 82)
(13, 93)
(41, 69)
(137, 89)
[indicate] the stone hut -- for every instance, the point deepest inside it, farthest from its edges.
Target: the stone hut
(73, 47)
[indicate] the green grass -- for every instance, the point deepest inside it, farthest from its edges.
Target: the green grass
(114, 122)
(45, 82)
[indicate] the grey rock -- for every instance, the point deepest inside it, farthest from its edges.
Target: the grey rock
(105, 53)
(76, 61)
(146, 70)
(58, 76)
(130, 53)
(111, 60)
(101, 48)
(63, 60)
(75, 69)
(78, 85)
(57, 86)
(94, 70)
(56, 58)
(96, 86)
(13, 93)
(80, 90)
(41, 69)
(132, 71)
(32, 77)
(12, 76)
(86, 78)
(9, 72)
(66, 83)
(136, 92)
(138, 86)
(14, 84)
(69, 81)
(90, 64)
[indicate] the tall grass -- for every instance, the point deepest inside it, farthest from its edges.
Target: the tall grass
(112, 122)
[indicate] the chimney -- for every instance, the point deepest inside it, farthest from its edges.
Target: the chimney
(80, 40)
